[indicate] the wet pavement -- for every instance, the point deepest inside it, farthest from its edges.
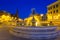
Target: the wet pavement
(5, 35)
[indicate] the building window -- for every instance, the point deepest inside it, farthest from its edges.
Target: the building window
(56, 11)
(51, 12)
(56, 5)
(51, 8)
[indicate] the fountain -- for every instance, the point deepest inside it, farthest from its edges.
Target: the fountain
(33, 32)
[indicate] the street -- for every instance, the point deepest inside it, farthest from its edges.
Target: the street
(5, 35)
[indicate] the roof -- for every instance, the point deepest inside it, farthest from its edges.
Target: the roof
(3, 12)
(53, 4)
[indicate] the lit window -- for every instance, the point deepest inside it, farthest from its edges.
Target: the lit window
(55, 17)
(49, 17)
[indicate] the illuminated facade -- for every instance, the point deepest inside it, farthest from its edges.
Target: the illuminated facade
(53, 13)
(4, 16)
(9, 19)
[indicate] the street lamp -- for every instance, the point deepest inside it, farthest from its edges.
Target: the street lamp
(41, 15)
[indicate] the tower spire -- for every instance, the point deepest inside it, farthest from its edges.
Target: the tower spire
(33, 11)
(33, 19)
(16, 14)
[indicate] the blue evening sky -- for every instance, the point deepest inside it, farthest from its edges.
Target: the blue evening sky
(25, 6)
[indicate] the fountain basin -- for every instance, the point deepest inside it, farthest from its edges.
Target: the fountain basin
(34, 32)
